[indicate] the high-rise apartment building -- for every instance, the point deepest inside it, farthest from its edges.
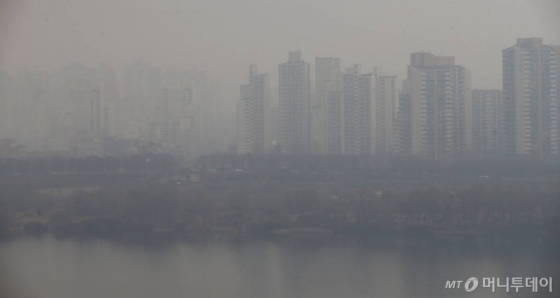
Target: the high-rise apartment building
(403, 129)
(358, 109)
(28, 109)
(82, 111)
(487, 122)
(327, 78)
(176, 124)
(71, 101)
(106, 85)
(253, 126)
(294, 104)
(334, 123)
(531, 95)
(385, 112)
(245, 137)
(142, 88)
(440, 107)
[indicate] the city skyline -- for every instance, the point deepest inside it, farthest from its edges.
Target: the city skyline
(106, 105)
(436, 114)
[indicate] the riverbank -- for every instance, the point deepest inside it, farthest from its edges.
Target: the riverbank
(104, 228)
(138, 209)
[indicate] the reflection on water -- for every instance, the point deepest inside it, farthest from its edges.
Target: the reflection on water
(47, 267)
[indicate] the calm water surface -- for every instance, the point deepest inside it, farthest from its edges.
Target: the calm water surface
(331, 268)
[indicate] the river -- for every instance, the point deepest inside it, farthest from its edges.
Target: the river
(290, 267)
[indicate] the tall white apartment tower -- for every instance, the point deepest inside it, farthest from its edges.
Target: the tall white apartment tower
(245, 140)
(253, 129)
(386, 103)
(531, 90)
(334, 123)
(358, 109)
(294, 104)
(327, 79)
(487, 122)
(440, 107)
(402, 130)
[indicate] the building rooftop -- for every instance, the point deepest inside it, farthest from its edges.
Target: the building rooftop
(530, 42)
(421, 59)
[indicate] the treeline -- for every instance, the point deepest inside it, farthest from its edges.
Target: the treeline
(363, 166)
(142, 210)
(383, 166)
(131, 163)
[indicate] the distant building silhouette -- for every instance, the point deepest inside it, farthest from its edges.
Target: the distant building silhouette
(358, 110)
(328, 78)
(334, 123)
(253, 121)
(294, 104)
(386, 103)
(440, 107)
(531, 86)
(487, 122)
(403, 125)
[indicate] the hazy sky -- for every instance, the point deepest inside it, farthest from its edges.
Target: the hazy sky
(223, 37)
